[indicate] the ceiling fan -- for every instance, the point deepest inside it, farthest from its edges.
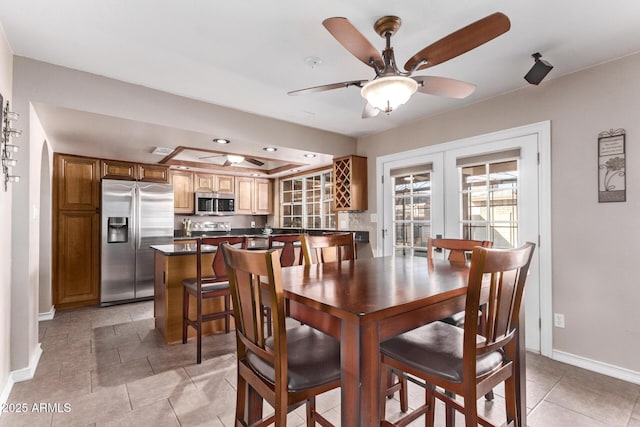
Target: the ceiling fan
(391, 87)
(233, 159)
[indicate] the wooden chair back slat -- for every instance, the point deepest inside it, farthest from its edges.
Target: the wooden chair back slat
(288, 256)
(328, 248)
(457, 248)
(507, 272)
(251, 279)
(217, 264)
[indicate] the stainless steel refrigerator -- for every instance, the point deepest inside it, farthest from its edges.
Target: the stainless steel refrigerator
(135, 215)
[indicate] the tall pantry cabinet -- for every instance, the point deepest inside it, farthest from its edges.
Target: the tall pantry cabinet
(76, 231)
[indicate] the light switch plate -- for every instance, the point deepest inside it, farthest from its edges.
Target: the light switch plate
(373, 218)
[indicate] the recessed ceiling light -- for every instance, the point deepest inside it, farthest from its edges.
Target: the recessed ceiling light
(270, 149)
(221, 141)
(255, 174)
(309, 155)
(295, 170)
(181, 167)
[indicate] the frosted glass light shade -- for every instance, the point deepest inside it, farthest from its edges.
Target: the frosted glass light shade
(234, 159)
(388, 93)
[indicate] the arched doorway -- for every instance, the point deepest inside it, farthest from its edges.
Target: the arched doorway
(45, 307)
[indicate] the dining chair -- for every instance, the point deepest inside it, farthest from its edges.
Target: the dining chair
(461, 361)
(456, 249)
(204, 287)
(328, 248)
(287, 369)
(290, 255)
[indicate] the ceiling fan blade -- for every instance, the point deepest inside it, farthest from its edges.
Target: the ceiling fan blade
(227, 163)
(353, 40)
(461, 41)
(209, 157)
(442, 86)
(254, 161)
(331, 86)
(369, 111)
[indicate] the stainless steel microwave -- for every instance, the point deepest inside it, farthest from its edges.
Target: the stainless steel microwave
(215, 204)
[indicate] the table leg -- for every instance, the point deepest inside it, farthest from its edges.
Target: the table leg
(350, 363)
(360, 359)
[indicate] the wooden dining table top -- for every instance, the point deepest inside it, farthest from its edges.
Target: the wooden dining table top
(374, 288)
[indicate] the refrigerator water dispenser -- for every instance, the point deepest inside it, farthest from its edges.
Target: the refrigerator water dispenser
(118, 229)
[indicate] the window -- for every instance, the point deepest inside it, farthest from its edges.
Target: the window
(307, 201)
(412, 212)
(490, 203)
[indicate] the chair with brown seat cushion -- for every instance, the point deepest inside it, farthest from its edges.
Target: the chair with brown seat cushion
(287, 369)
(204, 287)
(328, 248)
(459, 360)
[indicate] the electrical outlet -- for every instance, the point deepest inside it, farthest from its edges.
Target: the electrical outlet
(558, 320)
(253, 224)
(373, 218)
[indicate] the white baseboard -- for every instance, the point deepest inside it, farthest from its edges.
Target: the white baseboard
(597, 366)
(48, 315)
(6, 390)
(27, 373)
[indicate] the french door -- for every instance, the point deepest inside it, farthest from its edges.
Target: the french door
(485, 189)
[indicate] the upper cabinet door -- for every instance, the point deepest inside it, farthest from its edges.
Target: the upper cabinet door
(263, 196)
(153, 173)
(114, 169)
(77, 182)
(224, 184)
(183, 195)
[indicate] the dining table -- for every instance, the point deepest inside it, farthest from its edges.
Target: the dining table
(365, 301)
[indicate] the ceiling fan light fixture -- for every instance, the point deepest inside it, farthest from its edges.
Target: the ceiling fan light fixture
(235, 159)
(388, 93)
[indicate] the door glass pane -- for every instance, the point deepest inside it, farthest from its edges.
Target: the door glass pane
(489, 200)
(412, 213)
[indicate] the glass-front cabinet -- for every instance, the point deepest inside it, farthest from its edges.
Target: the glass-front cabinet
(307, 201)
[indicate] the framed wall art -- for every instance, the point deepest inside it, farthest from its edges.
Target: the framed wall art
(612, 182)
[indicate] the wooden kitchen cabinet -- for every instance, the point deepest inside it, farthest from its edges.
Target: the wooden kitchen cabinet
(76, 231)
(206, 182)
(76, 182)
(76, 259)
(254, 196)
(116, 169)
(153, 173)
(183, 194)
(350, 183)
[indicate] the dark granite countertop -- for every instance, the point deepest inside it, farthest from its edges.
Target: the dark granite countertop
(181, 249)
(256, 233)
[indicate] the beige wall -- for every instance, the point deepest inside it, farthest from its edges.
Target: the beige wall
(593, 248)
(6, 73)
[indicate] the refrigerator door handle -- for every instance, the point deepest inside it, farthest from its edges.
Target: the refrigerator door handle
(138, 207)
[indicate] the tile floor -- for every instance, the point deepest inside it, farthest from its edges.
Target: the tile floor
(110, 368)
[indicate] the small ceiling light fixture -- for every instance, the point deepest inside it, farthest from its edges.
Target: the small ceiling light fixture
(162, 151)
(255, 174)
(388, 93)
(270, 149)
(235, 159)
(221, 141)
(182, 167)
(539, 70)
(310, 155)
(295, 170)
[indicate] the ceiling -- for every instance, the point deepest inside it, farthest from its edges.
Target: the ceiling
(247, 55)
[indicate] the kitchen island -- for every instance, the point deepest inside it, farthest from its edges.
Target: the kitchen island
(172, 264)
